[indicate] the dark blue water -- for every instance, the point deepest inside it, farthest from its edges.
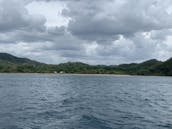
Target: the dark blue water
(35, 101)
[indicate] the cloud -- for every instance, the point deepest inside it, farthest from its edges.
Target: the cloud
(14, 16)
(50, 10)
(96, 32)
(103, 19)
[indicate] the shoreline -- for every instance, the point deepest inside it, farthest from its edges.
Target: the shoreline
(79, 74)
(71, 74)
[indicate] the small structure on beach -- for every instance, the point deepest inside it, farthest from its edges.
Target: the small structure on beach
(61, 72)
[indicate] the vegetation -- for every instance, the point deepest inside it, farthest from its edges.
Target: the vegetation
(12, 64)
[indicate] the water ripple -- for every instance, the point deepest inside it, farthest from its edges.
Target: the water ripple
(36, 101)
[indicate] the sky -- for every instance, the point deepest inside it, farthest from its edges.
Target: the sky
(90, 31)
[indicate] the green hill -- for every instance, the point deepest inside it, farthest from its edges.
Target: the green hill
(12, 64)
(164, 68)
(10, 59)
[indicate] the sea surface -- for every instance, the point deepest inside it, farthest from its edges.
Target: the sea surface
(52, 101)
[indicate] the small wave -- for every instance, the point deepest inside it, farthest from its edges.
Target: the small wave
(94, 122)
(51, 114)
(168, 126)
(70, 100)
(12, 127)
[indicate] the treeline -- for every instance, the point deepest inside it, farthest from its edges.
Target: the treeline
(12, 64)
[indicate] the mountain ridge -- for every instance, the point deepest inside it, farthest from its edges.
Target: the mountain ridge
(8, 58)
(13, 64)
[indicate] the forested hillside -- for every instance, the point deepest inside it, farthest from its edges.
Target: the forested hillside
(12, 64)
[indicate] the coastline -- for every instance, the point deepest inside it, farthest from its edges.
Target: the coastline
(78, 74)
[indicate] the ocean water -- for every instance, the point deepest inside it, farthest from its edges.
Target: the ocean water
(47, 101)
